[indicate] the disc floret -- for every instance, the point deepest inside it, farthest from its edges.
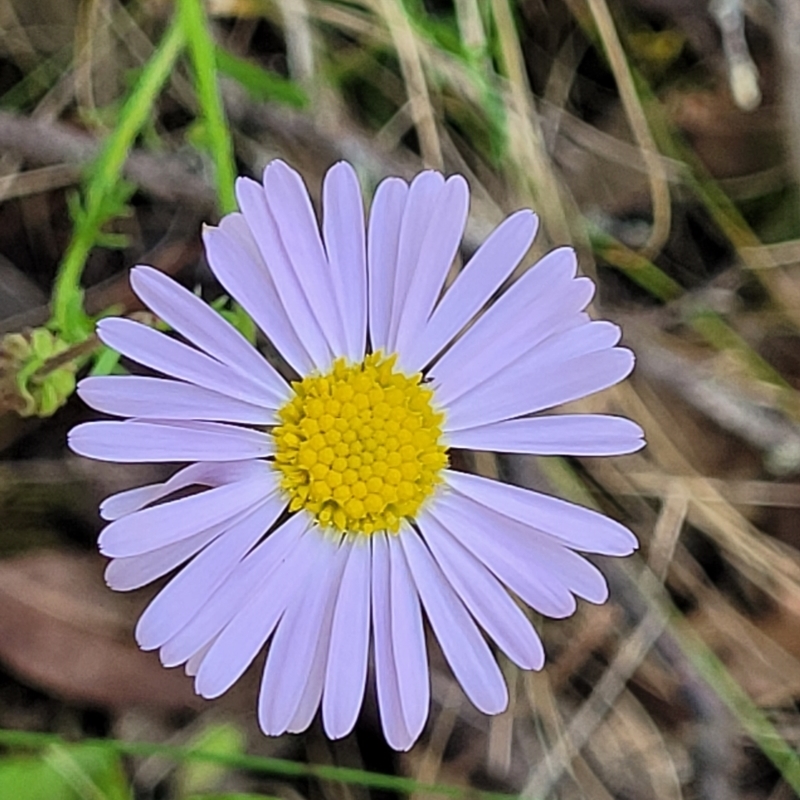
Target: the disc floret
(360, 447)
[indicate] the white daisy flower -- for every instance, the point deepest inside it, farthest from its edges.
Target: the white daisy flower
(327, 519)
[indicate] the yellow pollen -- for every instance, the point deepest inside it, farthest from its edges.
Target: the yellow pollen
(360, 448)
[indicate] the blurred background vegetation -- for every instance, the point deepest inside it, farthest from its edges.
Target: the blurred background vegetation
(661, 138)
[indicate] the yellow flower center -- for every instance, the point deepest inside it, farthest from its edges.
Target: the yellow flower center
(360, 447)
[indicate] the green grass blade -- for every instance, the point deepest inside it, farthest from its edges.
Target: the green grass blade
(274, 766)
(636, 267)
(204, 60)
(754, 721)
(102, 195)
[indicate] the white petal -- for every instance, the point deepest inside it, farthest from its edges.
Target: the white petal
(193, 664)
(575, 526)
(220, 607)
(387, 686)
(520, 390)
(558, 569)
(170, 522)
(156, 350)
(291, 655)
(133, 572)
(180, 599)
(344, 233)
(484, 596)
(260, 218)
(238, 265)
(383, 241)
(423, 195)
(567, 435)
(522, 566)
(248, 630)
(201, 474)
(346, 676)
(463, 646)
(159, 398)
(526, 314)
(408, 642)
(288, 200)
(206, 329)
(312, 694)
(158, 441)
(439, 246)
(493, 262)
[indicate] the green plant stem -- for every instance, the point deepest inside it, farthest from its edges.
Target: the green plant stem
(202, 52)
(30, 740)
(105, 174)
(754, 721)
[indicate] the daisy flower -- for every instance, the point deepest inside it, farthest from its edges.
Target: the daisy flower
(325, 518)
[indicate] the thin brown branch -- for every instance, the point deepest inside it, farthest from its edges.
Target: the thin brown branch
(44, 142)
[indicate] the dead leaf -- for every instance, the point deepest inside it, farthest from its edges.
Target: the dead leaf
(63, 631)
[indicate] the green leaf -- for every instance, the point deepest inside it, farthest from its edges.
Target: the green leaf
(64, 772)
(232, 796)
(266, 765)
(105, 362)
(199, 776)
(237, 317)
(260, 84)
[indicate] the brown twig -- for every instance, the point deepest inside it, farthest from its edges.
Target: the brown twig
(44, 142)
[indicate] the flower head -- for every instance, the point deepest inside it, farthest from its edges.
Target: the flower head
(327, 519)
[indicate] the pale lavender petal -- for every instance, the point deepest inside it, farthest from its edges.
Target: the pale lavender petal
(170, 522)
(524, 567)
(344, 233)
(575, 526)
(247, 632)
(253, 575)
(567, 435)
(288, 200)
(133, 572)
(569, 339)
(387, 685)
(239, 266)
(312, 693)
(493, 262)
(346, 675)
(160, 398)
(484, 596)
(518, 391)
(463, 646)
(156, 350)
(201, 474)
(207, 329)
(423, 196)
(132, 441)
(408, 642)
(122, 503)
(193, 664)
(261, 220)
(291, 655)
(383, 241)
(560, 569)
(568, 343)
(175, 605)
(439, 244)
(528, 312)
